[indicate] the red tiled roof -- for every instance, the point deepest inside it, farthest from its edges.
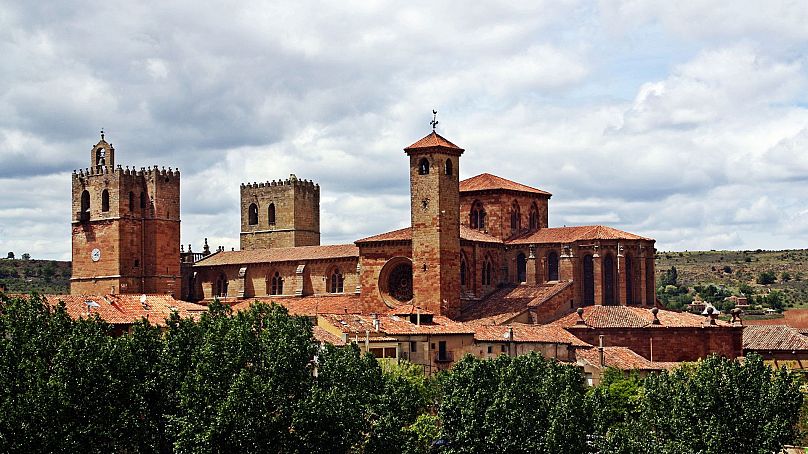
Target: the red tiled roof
(633, 317)
(572, 234)
(324, 336)
(309, 306)
(393, 325)
(773, 337)
(621, 358)
(795, 318)
(405, 234)
(409, 309)
(286, 254)
(433, 140)
(507, 303)
(488, 182)
(118, 309)
(547, 334)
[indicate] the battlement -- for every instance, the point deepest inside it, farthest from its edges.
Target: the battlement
(145, 172)
(292, 181)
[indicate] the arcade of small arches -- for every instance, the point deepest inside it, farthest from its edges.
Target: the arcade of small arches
(478, 215)
(85, 208)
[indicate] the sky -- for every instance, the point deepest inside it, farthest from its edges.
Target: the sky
(686, 122)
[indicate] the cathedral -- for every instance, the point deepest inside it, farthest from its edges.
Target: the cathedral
(479, 257)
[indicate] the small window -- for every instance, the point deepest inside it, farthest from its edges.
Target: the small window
(423, 167)
(85, 206)
(337, 282)
(131, 202)
(142, 200)
(253, 214)
(377, 352)
(413, 346)
(490, 349)
(502, 348)
(552, 266)
(487, 266)
(516, 218)
(276, 284)
(389, 352)
(220, 288)
(105, 200)
(271, 214)
(448, 167)
(534, 217)
(137, 263)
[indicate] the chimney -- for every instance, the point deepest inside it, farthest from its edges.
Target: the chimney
(418, 317)
(375, 322)
(600, 351)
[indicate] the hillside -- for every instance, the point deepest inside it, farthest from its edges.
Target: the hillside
(730, 272)
(42, 276)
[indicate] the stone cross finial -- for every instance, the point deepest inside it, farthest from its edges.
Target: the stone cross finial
(102, 133)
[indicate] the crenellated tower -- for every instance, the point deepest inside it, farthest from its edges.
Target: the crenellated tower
(125, 227)
(283, 213)
(435, 208)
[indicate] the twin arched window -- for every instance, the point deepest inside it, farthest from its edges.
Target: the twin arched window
(534, 217)
(105, 200)
(487, 271)
(423, 166)
(336, 282)
(220, 287)
(276, 284)
(252, 215)
(477, 216)
(516, 218)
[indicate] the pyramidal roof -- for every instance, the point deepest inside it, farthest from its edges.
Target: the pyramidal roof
(433, 140)
(488, 182)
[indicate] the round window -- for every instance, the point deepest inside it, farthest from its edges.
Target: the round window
(395, 281)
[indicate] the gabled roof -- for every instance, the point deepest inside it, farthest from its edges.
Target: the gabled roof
(633, 317)
(309, 305)
(284, 254)
(773, 337)
(507, 303)
(126, 309)
(545, 334)
(405, 234)
(488, 182)
(621, 358)
(433, 140)
(393, 325)
(572, 234)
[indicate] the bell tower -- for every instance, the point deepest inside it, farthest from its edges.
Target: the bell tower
(435, 213)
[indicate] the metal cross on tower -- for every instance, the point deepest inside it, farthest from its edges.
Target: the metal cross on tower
(434, 121)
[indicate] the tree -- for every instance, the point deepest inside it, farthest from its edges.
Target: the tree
(26, 256)
(10, 256)
(785, 276)
(670, 277)
(524, 404)
(766, 278)
(774, 300)
(746, 289)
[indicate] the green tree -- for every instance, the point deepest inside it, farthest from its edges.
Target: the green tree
(766, 278)
(26, 256)
(524, 404)
(785, 276)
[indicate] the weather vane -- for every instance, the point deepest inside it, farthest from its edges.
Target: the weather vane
(434, 121)
(102, 133)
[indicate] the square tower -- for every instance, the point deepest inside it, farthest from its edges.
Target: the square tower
(283, 213)
(125, 227)
(434, 209)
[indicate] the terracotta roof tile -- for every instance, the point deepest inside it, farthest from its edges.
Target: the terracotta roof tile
(548, 334)
(507, 303)
(795, 318)
(633, 317)
(324, 336)
(286, 254)
(393, 325)
(488, 182)
(405, 234)
(773, 337)
(309, 305)
(572, 234)
(118, 309)
(433, 140)
(621, 358)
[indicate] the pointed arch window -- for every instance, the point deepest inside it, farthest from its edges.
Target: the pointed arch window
(516, 220)
(271, 214)
(464, 274)
(448, 167)
(477, 216)
(85, 206)
(252, 214)
(423, 166)
(487, 271)
(534, 217)
(336, 281)
(105, 200)
(276, 284)
(552, 266)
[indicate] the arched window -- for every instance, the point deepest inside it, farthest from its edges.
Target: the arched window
(85, 206)
(448, 167)
(589, 280)
(220, 287)
(276, 284)
(463, 271)
(336, 281)
(534, 217)
(516, 219)
(423, 166)
(487, 271)
(271, 214)
(252, 214)
(552, 266)
(101, 157)
(131, 202)
(477, 216)
(105, 200)
(142, 200)
(521, 268)
(608, 281)
(629, 280)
